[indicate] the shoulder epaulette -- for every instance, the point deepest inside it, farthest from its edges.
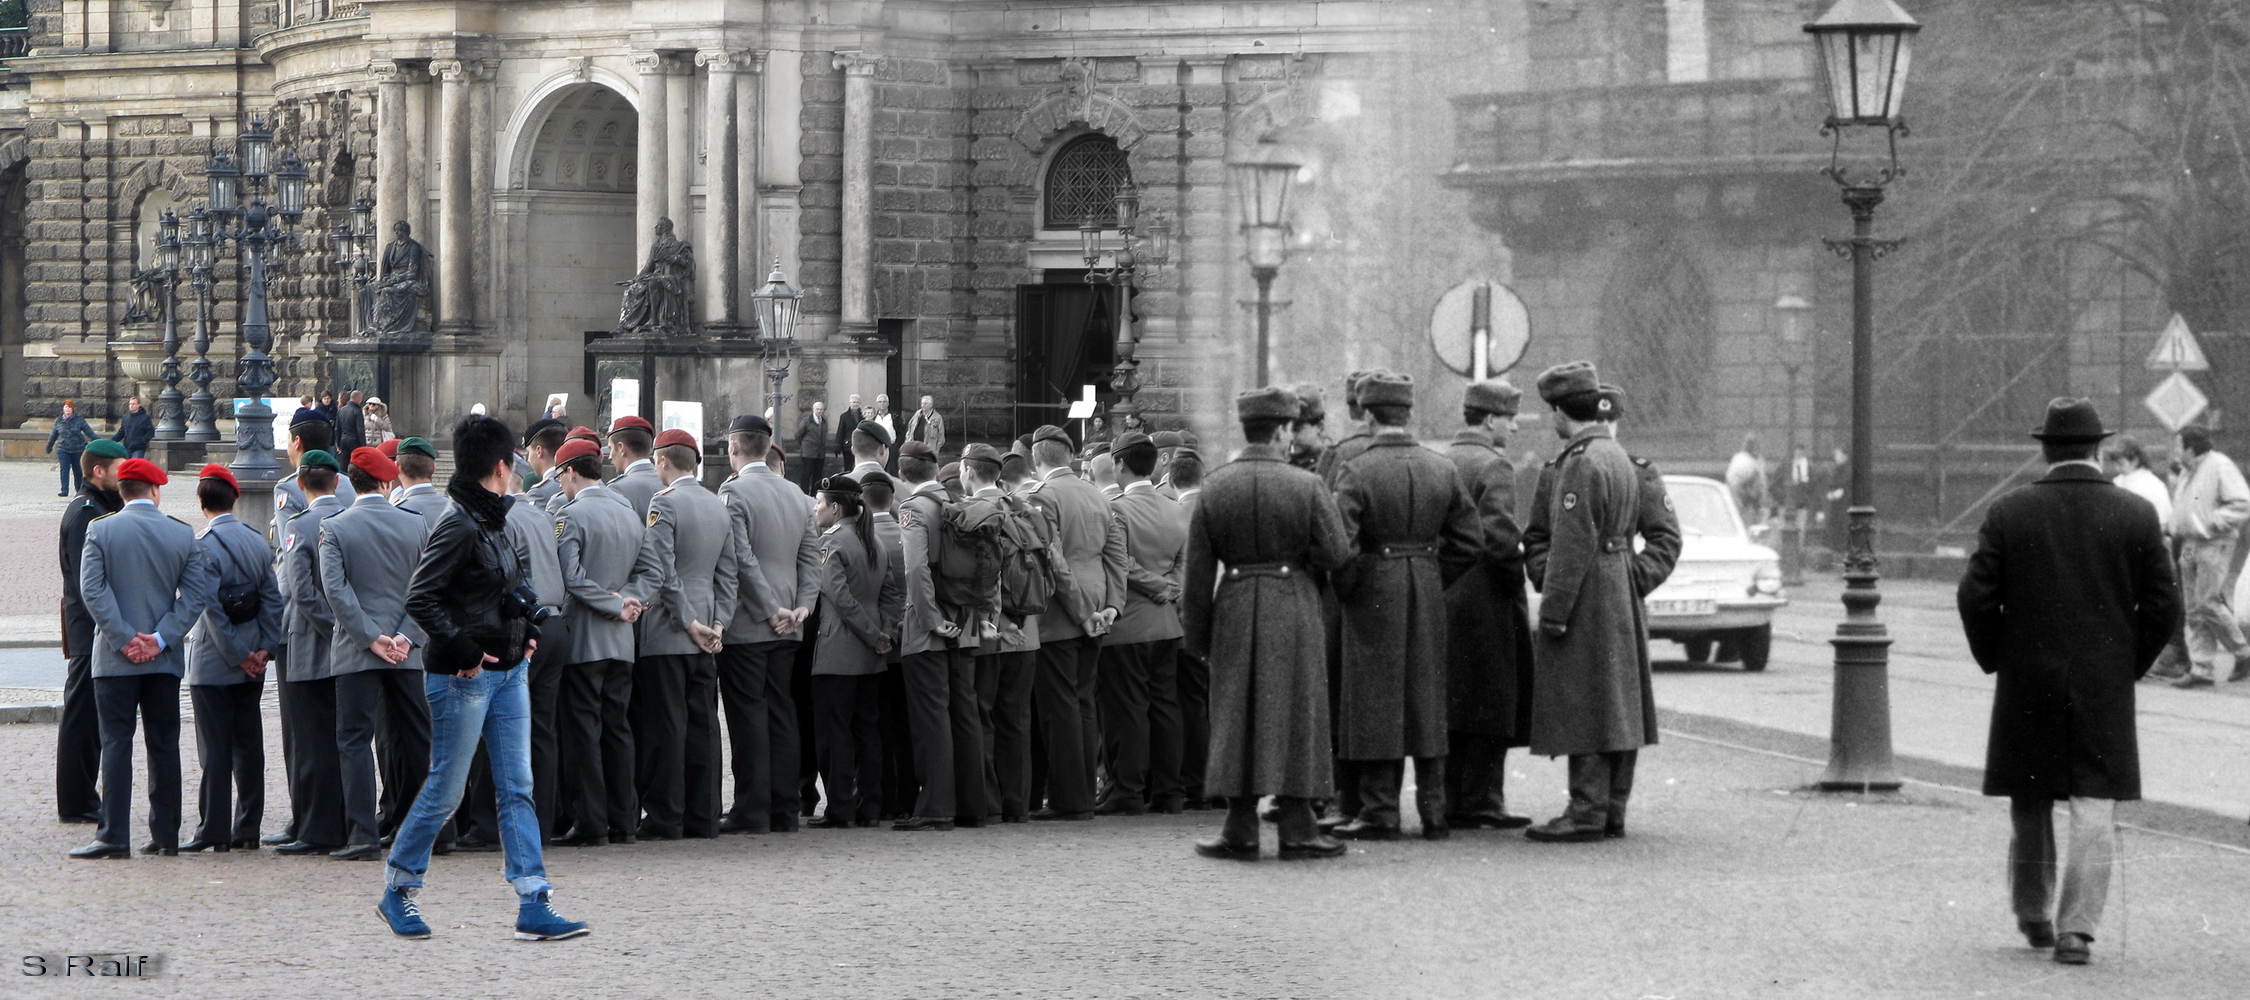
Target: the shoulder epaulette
(1642, 462)
(101, 516)
(663, 491)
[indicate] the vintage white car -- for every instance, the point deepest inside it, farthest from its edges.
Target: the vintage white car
(1726, 587)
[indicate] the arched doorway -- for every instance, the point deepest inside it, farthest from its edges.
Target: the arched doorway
(1065, 327)
(12, 301)
(571, 191)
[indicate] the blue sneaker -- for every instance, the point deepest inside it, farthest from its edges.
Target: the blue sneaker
(537, 920)
(403, 914)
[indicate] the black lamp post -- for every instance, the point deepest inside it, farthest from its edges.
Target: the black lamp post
(202, 247)
(1262, 184)
(1134, 250)
(169, 424)
(352, 245)
(243, 218)
(1864, 49)
(775, 307)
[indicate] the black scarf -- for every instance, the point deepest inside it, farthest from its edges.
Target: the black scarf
(490, 509)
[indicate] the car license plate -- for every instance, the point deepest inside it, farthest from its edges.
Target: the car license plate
(1682, 608)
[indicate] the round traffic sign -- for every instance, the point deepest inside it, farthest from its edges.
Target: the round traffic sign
(1454, 323)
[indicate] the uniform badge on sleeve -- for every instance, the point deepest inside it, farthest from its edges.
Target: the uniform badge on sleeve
(1667, 501)
(558, 528)
(1570, 501)
(289, 542)
(654, 516)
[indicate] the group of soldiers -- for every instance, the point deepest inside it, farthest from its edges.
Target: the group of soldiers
(1048, 632)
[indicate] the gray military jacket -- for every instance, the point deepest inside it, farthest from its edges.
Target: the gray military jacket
(142, 571)
(368, 552)
(892, 603)
(1156, 556)
(307, 618)
(686, 571)
(598, 540)
(546, 489)
(919, 514)
(851, 585)
(636, 484)
(217, 647)
(533, 529)
(289, 501)
(777, 551)
(1090, 543)
(427, 500)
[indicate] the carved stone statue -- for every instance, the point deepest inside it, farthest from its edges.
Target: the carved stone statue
(147, 305)
(401, 285)
(657, 300)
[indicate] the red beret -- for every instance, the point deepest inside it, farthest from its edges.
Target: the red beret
(678, 436)
(575, 449)
(630, 421)
(777, 449)
(217, 471)
(389, 448)
(143, 470)
(917, 449)
(372, 462)
(582, 434)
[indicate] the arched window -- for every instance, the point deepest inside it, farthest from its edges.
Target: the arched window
(1082, 182)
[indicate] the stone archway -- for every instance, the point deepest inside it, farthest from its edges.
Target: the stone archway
(570, 195)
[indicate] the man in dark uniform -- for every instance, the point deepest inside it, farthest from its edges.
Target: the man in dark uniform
(1416, 530)
(777, 543)
(1488, 669)
(1308, 434)
(316, 784)
(1139, 680)
(1331, 459)
(1258, 624)
(1071, 627)
(78, 742)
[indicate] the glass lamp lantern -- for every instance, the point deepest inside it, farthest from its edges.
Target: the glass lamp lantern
(1128, 201)
(1263, 184)
(1865, 48)
(289, 187)
(257, 150)
(776, 307)
(168, 241)
(222, 179)
(1090, 242)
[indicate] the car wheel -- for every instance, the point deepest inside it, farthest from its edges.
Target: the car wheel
(1698, 650)
(1755, 644)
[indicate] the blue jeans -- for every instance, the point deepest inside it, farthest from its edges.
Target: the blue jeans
(68, 460)
(497, 705)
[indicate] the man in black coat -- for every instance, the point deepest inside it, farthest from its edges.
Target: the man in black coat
(2069, 598)
(78, 741)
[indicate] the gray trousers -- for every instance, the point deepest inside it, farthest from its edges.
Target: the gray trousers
(929, 686)
(1600, 783)
(230, 746)
(389, 709)
(2085, 870)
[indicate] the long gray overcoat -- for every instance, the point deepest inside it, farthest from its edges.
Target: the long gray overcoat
(1488, 639)
(1406, 511)
(1591, 691)
(1258, 623)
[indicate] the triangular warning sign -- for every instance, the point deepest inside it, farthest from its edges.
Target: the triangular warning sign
(2177, 351)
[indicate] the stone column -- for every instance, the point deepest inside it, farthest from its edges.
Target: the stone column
(857, 297)
(749, 273)
(652, 164)
(479, 202)
(454, 224)
(681, 149)
(392, 178)
(721, 274)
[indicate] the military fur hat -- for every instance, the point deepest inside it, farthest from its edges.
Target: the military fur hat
(1387, 389)
(1568, 379)
(1270, 403)
(1493, 396)
(1613, 401)
(1311, 408)
(1351, 384)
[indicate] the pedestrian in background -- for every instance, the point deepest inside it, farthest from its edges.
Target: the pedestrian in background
(1746, 477)
(136, 430)
(2126, 463)
(351, 424)
(67, 441)
(376, 422)
(812, 445)
(2068, 599)
(2210, 502)
(927, 425)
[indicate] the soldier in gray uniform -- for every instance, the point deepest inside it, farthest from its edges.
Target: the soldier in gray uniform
(871, 449)
(316, 783)
(417, 467)
(686, 574)
(630, 439)
(1140, 700)
(540, 443)
(598, 539)
(145, 581)
(289, 500)
(367, 555)
(777, 545)
(533, 530)
(226, 670)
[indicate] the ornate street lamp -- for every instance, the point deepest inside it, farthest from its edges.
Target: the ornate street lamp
(351, 246)
(1864, 48)
(1134, 250)
(169, 425)
(240, 215)
(775, 308)
(1262, 183)
(202, 253)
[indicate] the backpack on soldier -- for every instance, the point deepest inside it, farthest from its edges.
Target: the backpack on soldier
(965, 563)
(1027, 581)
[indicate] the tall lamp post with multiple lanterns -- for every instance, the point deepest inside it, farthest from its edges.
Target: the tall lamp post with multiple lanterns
(170, 426)
(240, 215)
(1864, 49)
(1262, 183)
(775, 307)
(1135, 250)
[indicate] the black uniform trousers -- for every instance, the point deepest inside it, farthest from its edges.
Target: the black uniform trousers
(929, 687)
(1381, 780)
(155, 698)
(1004, 701)
(1063, 771)
(78, 743)
(230, 748)
(1600, 784)
(396, 704)
(479, 812)
(1476, 776)
(846, 708)
(900, 784)
(800, 699)
(754, 679)
(1195, 723)
(1141, 722)
(966, 718)
(596, 741)
(675, 738)
(316, 781)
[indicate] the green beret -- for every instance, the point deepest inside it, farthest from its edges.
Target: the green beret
(1163, 439)
(317, 459)
(1132, 439)
(1568, 379)
(1387, 389)
(876, 431)
(981, 452)
(1269, 403)
(105, 448)
(1050, 432)
(1493, 396)
(417, 446)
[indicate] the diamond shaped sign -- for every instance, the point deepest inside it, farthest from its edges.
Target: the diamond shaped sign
(2176, 401)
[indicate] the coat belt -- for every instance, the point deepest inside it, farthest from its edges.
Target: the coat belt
(1615, 545)
(1278, 569)
(1407, 550)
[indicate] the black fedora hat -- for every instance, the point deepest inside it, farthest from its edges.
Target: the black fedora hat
(2071, 420)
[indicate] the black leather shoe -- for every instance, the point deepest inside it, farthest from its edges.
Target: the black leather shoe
(276, 839)
(831, 823)
(1226, 850)
(297, 847)
(387, 839)
(246, 843)
(1561, 830)
(358, 852)
(581, 837)
(152, 847)
(2073, 949)
(624, 838)
(1316, 848)
(729, 824)
(1360, 829)
(1195, 805)
(1004, 818)
(1050, 815)
(782, 822)
(1120, 806)
(100, 851)
(1169, 807)
(2038, 933)
(1612, 831)
(89, 818)
(200, 845)
(1436, 831)
(1330, 823)
(1489, 821)
(919, 824)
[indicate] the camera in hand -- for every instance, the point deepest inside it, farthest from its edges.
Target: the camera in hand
(523, 603)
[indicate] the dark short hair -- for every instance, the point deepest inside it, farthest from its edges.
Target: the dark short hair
(2124, 447)
(134, 489)
(417, 465)
(865, 444)
(682, 457)
(633, 441)
(1050, 453)
(752, 443)
(1473, 417)
(876, 491)
(916, 470)
(480, 442)
(315, 435)
(215, 494)
(2196, 437)
(1260, 430)
(587, 466)
(1187, 471)
(550, 437)
(1391, 414)
(88, 462)
(317, 477)
(1140, 459)
(362, 480)
(2068, 451)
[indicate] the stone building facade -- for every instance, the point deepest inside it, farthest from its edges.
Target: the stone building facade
(918, 167)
